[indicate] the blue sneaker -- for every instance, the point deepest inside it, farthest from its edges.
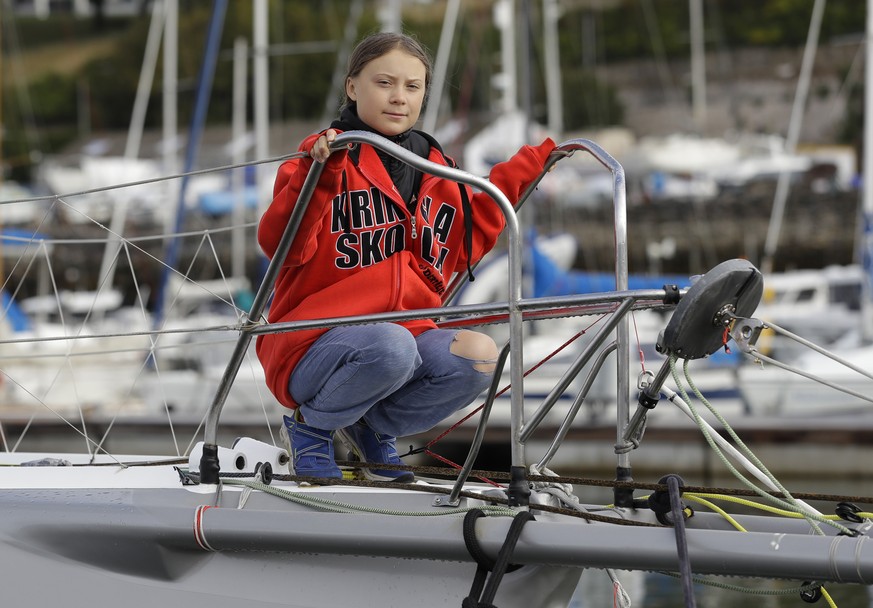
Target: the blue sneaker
(369, 446)
(311, 449)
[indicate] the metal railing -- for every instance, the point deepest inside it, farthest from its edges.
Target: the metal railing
(513, 309)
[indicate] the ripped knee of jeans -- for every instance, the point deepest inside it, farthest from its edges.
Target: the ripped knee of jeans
(478, 348)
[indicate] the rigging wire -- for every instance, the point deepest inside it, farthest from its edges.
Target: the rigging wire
(37, 248)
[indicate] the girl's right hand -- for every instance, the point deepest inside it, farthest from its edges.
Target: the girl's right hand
(321, 148)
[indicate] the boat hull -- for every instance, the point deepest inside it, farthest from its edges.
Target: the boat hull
(137, 533)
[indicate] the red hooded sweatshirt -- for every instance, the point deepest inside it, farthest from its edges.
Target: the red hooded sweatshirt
(359, 250)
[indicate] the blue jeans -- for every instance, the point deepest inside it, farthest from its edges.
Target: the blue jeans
(398, 384)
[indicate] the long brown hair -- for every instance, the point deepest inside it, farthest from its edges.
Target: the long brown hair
(374, 46)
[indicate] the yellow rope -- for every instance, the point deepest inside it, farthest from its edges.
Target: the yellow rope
(828, 598)
(698, 498)
(776, 511)
(701, 498)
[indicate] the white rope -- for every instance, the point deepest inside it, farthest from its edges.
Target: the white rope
(328, 504)
(744, 455)
(622, 599)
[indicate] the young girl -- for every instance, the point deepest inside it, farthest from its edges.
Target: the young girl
(378, 236)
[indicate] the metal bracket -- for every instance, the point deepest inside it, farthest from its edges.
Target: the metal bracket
(746, 332)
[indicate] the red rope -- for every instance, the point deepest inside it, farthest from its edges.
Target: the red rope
(639, 346)
(550, 356)
(199, 533)
(508, 386)
(458, 467)
(426, 449)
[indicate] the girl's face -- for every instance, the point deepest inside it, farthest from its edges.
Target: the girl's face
(389, 92)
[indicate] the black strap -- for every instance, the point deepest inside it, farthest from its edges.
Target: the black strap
(467, 208)
(484, 563)
(473, 546)
(670, 501)
(482, 592)
(346, 218)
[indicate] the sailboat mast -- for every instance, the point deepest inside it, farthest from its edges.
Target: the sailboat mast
(447, 35)
(791, 139)
(261, 109)
(238, 151)
(552, 67)
(134, 140)
(169, 110)
(867, 181)
(698, 66)
(198, 120)
(504, 18)
(1, 98)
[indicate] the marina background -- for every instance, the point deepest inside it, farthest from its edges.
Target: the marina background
(683, 235)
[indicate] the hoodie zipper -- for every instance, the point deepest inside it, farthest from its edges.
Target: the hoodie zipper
(412, 206)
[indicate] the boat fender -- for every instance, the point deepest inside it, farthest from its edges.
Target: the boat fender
(481, 593)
